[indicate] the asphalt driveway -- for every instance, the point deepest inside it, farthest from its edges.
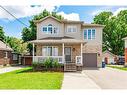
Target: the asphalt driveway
(107, 78)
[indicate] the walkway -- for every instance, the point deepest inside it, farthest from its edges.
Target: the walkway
(8, 69)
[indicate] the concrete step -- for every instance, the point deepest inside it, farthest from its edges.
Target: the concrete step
(70, 67)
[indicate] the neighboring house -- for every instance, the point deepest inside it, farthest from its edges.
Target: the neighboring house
(109, 58)
(70, 42)
(5, 54)
(125, 50)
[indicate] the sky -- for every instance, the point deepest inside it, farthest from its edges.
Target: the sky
(25, 13)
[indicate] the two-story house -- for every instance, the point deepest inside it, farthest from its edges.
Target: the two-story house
(70, 42)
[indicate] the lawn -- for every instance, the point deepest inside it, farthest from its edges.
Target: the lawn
(26, 79)
(117, 67)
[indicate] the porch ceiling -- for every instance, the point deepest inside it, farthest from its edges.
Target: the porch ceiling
(58, 41)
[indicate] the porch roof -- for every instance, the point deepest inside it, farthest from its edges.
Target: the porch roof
(58, 41)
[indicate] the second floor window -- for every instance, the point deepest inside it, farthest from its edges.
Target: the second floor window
(71, 29)
(50, 29)
(89, 34)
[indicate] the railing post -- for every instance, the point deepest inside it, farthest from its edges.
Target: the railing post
(81, 53)
(33, 52)
(63, 52)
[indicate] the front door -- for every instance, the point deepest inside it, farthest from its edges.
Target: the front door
(68, 54)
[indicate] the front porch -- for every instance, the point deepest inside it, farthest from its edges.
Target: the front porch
(68, 54)
(65, 51)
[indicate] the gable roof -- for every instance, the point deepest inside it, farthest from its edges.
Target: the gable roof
(4, 46)
(109, 53)
(88, 24)
(37, 21)
(68, 21)
(64, 20)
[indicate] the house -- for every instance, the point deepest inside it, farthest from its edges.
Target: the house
(109, 58)
(72, 43)
(5, 54)
(125, 50)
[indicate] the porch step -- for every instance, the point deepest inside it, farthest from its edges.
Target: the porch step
(70, 67)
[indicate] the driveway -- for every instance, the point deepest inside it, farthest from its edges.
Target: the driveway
(8, 69)
(108, 78)
(78, 80)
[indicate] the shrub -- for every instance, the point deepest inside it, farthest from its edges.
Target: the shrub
(48, 63)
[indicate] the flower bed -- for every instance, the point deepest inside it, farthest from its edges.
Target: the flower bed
(48, 65)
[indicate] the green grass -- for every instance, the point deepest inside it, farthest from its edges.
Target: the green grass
(117, 67)
(26, 79)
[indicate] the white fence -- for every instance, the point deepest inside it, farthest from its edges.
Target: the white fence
(43, 58)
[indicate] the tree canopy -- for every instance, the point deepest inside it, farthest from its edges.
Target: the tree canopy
(17, 44)
(114, 31)
(29, 33)
(2, 34)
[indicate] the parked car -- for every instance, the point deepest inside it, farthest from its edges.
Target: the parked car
(121, 60)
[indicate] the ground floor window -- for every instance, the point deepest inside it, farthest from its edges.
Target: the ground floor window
(6, 54)
(50, 51)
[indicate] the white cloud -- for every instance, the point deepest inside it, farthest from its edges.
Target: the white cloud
(71, 16)
(101, 9)
(23, 11)
(118, 10)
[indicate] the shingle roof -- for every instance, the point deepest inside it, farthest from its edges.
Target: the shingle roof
(3, 46)
(58, 41)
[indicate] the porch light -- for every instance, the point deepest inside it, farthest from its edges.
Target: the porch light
(98, 54)
(73, 49)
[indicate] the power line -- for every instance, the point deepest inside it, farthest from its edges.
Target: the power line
(13, 16)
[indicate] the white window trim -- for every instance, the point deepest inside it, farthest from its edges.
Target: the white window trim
(52, 50)
(91, 33)
(71, 26)
(6, 54)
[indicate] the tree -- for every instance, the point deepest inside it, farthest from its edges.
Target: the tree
(2, 35)
(29, 33)
(17, 44)
(114, 31)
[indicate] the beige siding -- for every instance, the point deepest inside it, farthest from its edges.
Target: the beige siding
(46, 22)
(77, 34)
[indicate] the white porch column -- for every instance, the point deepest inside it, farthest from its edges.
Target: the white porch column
(81, 52)
(63, 52)
(33, 52)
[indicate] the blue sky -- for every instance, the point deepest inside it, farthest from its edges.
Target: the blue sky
(85, 13)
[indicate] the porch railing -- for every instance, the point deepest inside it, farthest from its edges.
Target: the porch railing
(43, 58)
(78, 60)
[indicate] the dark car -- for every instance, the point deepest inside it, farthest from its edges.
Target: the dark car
(121, 60)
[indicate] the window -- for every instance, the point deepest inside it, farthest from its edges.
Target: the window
(85, 34)
(93, 33)
(50, 29)
(44, 29)
(15, 57)
(6, 54)
(71, 29)
(89, 34)
(50, 51)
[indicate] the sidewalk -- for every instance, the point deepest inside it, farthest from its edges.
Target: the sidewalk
(8, 69)
(74, 80)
